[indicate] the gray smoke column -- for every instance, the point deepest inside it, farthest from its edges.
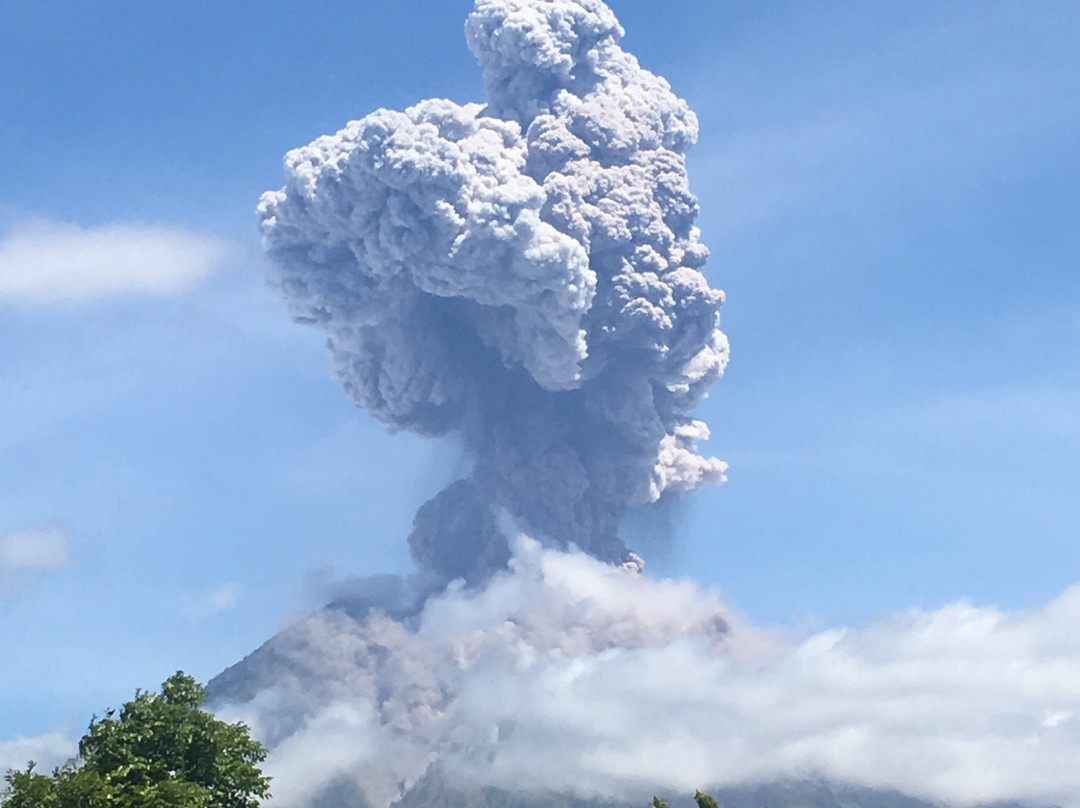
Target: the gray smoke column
(525, 272)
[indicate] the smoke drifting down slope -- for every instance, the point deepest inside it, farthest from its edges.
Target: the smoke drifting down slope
(526, 273)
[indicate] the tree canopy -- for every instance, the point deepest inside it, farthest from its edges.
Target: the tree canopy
(161, 750)
(702, 799)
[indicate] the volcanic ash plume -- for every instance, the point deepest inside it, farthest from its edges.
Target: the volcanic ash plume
(525, 272)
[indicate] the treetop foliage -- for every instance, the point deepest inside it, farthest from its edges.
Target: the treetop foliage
(702, 799)
(158, 751)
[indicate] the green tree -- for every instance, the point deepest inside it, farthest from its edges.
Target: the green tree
(704, 800)
(159, 751)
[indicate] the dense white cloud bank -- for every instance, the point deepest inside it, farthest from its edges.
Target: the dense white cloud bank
(27, 555)
(46, 262)
(566, 673)
(569, 674)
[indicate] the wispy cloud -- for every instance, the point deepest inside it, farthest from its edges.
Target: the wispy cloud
(26, 556)
(47, 262)
(44, 750)
(222, 599)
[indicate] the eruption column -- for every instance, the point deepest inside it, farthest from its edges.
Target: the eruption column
(525, 272)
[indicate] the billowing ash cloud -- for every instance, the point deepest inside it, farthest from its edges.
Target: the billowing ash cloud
(525, 272)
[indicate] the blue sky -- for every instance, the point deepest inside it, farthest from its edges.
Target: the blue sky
(889, 192)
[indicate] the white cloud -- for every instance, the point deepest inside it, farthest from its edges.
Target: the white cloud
(27, 555)
(572, 675)
(46, 751)
(222, 599)
(962, 704)
(45, 262)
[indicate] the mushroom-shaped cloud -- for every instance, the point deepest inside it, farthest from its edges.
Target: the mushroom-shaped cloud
(525, 272)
